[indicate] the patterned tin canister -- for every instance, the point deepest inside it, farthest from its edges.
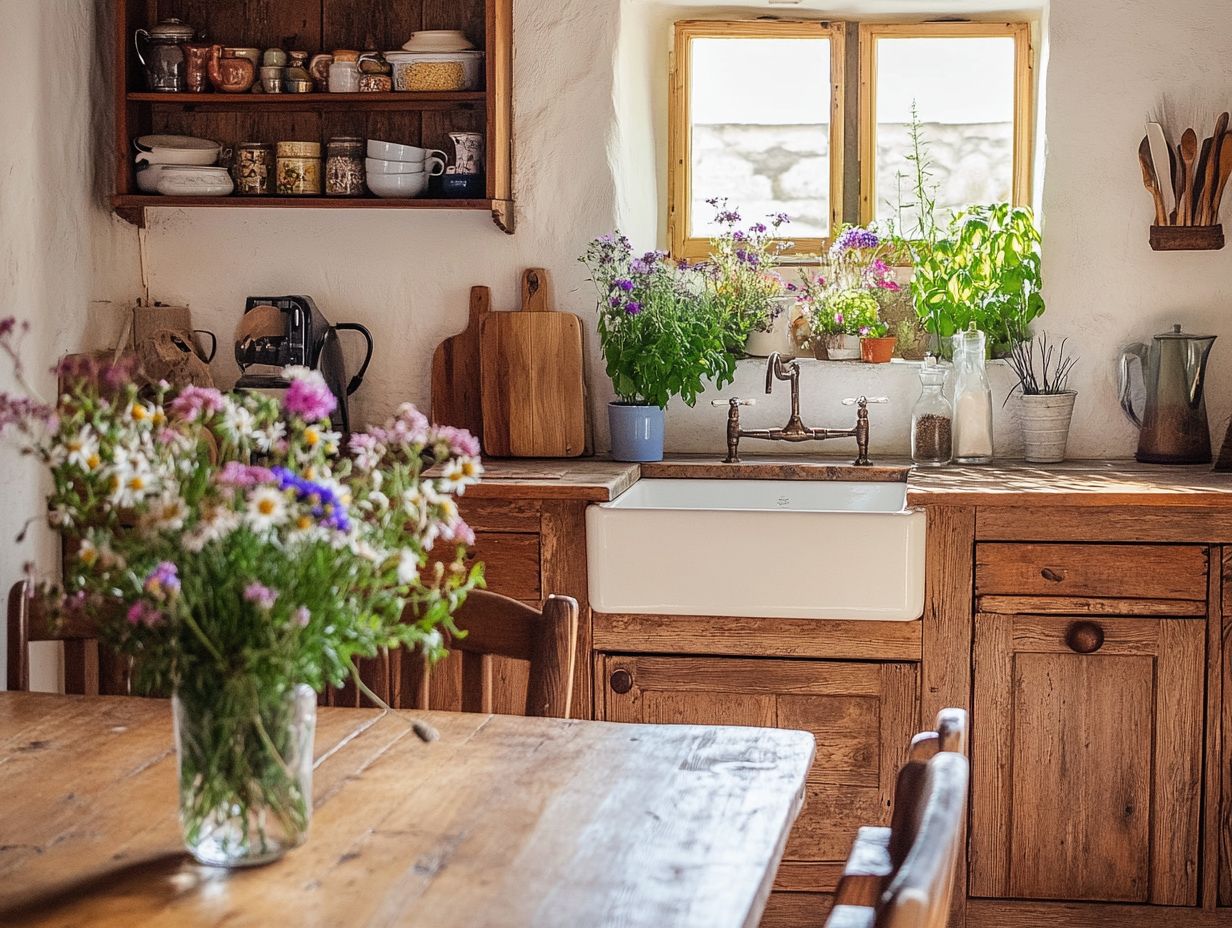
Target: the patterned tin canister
(298, 169)
(344, 167)
(254, 169)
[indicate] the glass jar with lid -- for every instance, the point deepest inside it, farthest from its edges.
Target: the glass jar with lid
(972, 400)
(344, 166)
(932, 418)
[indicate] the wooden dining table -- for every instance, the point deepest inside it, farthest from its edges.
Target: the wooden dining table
(500, 823)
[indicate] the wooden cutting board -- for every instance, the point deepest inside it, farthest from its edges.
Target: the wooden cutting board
(532, 382)
(455, 371)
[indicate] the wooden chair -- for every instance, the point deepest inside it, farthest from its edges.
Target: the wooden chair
(495, 626)
(880, 854)
(90, 668)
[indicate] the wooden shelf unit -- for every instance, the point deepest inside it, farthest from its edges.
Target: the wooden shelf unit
(424, 119)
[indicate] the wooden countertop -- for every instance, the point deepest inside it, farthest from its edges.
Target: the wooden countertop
(1010, 483)
(595, 480)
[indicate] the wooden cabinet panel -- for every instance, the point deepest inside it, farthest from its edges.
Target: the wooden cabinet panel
(511, 564)
(502, 515)
(862, 715)
(1087, 766)
(1113, 571)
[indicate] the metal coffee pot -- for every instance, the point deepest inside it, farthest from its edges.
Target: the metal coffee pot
(1173, 426)
(160, 51)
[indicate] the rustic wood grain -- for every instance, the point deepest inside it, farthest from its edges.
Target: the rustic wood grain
(739, 637)
(1113, 571)
(563, 565)
(711, 467)
(511, 563)
(581, 480)
(1088, 766)
(601, 812)
(1224, 804)
(861, 715)
(1213, 795)
(948, 586)
(455, 371)
(506, 515)
(1089, 605)
(1029, 522)
(988, 913)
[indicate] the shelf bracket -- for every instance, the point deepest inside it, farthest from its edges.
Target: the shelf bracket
(132, 214)
(503, 216)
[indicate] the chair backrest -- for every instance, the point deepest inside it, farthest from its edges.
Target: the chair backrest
(498, 626)
(949, 736)
(918, 895)
(89, 668)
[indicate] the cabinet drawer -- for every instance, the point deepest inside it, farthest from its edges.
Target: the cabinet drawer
(511, 564)
(502, 515)
(1150, 572)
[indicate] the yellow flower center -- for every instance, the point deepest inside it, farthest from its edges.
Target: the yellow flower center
(266, 507)
(138, 412)
(311, 437)
(88, 556)
(93, 462)
(303, 523)
(136, 482)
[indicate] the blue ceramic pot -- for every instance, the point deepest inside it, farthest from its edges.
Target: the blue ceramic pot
(637, 432)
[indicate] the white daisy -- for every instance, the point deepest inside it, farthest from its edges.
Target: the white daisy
(462, 473)
(80, 450)
(265, 439)
(408, 566)
(132, 481)
(217, 524)
(267, 508)
(237, 421)
(167, 513)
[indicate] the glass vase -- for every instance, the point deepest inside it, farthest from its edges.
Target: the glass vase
(245, 766)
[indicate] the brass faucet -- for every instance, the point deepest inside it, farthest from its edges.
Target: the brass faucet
(795, 430)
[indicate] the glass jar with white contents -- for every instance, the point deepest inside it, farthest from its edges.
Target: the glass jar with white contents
(973, 442)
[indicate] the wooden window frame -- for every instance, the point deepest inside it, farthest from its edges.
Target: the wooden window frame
(679, 144)
(1024, 96)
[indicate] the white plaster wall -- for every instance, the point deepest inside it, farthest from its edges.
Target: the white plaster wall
(65, 263)
(589, 80)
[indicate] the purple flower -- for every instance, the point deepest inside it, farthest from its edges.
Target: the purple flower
(856, 237)
(741, 254)
(142, 613)
(615, 302)
(322, 500)
(163, 582)
(633, 307)
(639, 267)
(624, 284)
(758, 227)
(307, 396)
(197, 402)
(260, 595)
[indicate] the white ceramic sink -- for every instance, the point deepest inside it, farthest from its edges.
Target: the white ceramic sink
(761, 548)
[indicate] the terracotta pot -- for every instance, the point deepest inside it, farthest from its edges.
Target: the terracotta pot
(877, 350)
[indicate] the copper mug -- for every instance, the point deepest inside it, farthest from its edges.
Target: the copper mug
(231, 74)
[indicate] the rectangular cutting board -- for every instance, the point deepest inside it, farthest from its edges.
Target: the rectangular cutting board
(532, 378)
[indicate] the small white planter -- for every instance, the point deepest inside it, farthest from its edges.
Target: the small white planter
(848, 348)
(1045, 426)
(778, 339)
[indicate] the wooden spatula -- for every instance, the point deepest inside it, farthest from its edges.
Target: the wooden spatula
(1149, 181)
(1212, 170)
(1223, 171)
(1189, 152)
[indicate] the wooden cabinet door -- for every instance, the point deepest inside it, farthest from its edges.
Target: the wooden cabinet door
(1086, 757)
(862, 714)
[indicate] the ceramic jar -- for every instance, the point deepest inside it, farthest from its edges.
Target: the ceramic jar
(344, 167)
(197, 66)
(468, 152)
(161, 53)
(344, 77)
(298, 169)
(254, 168)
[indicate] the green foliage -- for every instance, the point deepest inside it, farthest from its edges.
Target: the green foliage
(661, 332)
(986, 270)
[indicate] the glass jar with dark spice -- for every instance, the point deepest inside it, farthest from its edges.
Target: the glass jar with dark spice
(344, 167)
(932, 419)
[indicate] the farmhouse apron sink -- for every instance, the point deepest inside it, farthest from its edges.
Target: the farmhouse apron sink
(759, 548)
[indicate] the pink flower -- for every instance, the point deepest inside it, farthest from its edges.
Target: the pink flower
(308, 397)
(142, 613)
(302, 616)
(260, 595)
(197, 402)
(458, 531)
(460, 442)
(235, 474)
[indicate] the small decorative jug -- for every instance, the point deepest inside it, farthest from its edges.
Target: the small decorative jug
(233, 74)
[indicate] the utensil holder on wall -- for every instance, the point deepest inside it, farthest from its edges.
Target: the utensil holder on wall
(1187, 238)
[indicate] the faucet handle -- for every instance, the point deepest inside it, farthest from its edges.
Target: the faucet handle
(734, 401)
(865, 400)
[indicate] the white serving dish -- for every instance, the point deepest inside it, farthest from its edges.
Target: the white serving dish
(148, 177)
(176, 149)
(434, 166)
(398, 186)
(408, 76)
(759, 548)
(183, 180)
(438, 40)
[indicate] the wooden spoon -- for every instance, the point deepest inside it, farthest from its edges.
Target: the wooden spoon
(1199, 193)
(1149, 181)
(1189, 151)
(1212, 171)
(1221, 178)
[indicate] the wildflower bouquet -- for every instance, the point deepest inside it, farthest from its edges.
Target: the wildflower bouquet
(658, 329)
(740, 275)
(230, 548)
(846, 298)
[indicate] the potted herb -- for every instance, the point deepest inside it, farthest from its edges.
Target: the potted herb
(985, 270)
(661, 337)
(234, 550)
(743, 286)
(1047, 401)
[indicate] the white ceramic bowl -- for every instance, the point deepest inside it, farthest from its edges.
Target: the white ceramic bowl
(149, 176)
(398, 185)
(438, 40)
(434, 166)
(176, 149)
(181, 180)
(391, 151)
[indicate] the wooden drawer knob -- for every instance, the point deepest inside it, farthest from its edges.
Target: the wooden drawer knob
(621, 682)
(1051, 575)
(1085, 637)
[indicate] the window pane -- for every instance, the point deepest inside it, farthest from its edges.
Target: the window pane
(963, 89)
(761, 131)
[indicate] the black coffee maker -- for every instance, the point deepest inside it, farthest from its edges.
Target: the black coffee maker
(283, 331)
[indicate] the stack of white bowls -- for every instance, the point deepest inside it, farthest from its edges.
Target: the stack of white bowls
(180, 165)
(401, 170)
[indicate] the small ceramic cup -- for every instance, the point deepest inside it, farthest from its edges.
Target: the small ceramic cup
(252, 54)
(274, 58)
(271, 78)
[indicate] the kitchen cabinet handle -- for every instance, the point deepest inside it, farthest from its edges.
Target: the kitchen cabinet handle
(1051, 575)
(1085, 637)
(621, 681)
